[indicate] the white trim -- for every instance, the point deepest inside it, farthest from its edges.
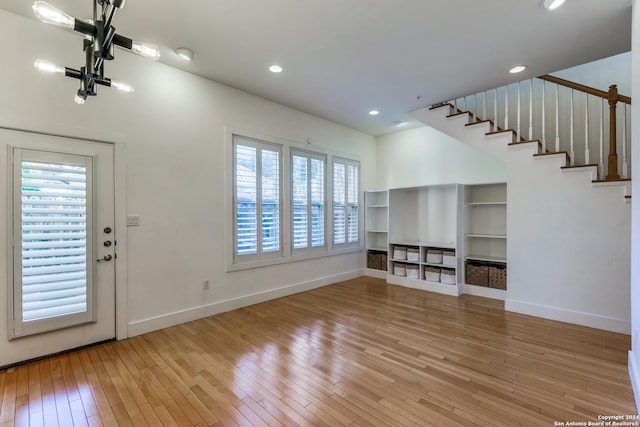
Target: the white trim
(635, 379)
(178, 317)
(378, 274)
(481, 291)
(563, 315)
(120, 227)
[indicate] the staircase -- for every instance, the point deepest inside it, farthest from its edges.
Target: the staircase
(573, 114)
(568, 224)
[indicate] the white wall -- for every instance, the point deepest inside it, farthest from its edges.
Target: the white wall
(602, 73)
(426, 156)
(173, 127)
(634, 355)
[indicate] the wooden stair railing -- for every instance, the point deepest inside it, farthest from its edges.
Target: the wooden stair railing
(613, 97)
(493, 106)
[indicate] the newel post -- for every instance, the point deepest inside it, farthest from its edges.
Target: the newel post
(612, 173)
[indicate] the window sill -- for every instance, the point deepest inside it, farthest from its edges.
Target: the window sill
(292, 258)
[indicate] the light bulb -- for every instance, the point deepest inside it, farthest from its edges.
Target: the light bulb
(48, 67)
(552, 4)
(146, 50)
(185, 53)
(49, 14)
(80, 99)
(122, 86)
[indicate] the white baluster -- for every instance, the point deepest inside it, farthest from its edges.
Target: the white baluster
(506, 107)
(601, 163)
(495, 109)
(544, 127)
(475, 107)
(518, 116)
(464, 104)
(558, 123)
(530, 109)
(586, 130)
(571, 151)
(625, 166)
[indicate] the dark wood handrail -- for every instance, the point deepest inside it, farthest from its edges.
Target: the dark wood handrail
(583, 88)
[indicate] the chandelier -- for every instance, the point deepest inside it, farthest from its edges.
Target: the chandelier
(100, 37)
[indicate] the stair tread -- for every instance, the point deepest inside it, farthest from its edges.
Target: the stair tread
(444, 104)
(580, 166)
(501, 131)
(477, 122)
(526, 142)
(595, 181)
(551, 153)
(459, 114)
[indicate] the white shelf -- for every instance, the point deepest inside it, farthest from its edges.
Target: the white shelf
(379, 249)
(485, 236)
(377, 231)
(378, 206)
(472, 204)
(431, 264)
(404, 261)
(439, 245)
(486, 258)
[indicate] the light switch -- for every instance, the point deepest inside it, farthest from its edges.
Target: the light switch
(133, 220)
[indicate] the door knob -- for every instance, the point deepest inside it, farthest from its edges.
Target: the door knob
(107, 257)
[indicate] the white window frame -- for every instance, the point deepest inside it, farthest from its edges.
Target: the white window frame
(310, 156)
(347, 163)
(288, 253)
(260, 253)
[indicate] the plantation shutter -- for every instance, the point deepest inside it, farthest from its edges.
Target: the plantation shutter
(52, 250)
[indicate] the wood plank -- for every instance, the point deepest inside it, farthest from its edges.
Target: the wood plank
(360, 352)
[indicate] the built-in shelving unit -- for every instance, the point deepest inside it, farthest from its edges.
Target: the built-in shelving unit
(485, 239)
(424, 220)
(377, 232)
(430, 237)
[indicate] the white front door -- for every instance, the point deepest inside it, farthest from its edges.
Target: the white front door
(62, 243)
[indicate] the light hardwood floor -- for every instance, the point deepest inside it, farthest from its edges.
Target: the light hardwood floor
(356, 353)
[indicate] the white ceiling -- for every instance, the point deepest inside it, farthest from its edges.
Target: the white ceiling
(342, 58)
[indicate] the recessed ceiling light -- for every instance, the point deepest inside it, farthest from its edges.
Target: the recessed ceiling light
(374, 112)
(551, 4)
(275, 69)
(185, 53)
(518, 69)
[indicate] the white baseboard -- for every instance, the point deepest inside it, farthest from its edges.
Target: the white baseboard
(563, 315)
(482, 291)
(378, 274)
(635, 379)
(171, 319)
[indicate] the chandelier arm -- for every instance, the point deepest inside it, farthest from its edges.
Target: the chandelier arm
(122, 41)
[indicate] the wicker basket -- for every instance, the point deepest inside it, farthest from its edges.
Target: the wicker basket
(449, 258)
(413, 254)
(413, 272)
(374, 261)
(448, 277)
(399, 269)
(383, 261)
(400, 252)
(434, 256)
(477, 274)
(432, 274)
(498, 277)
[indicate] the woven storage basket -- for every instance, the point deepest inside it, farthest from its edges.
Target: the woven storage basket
(498, 277)
(413, 272)
(449, 258)
(432, 274)
(477, 275)
(399, 270)
(399, 252)
(383, 261)
(413, 254)
(373, 261)
(434, 256)
(448, 277)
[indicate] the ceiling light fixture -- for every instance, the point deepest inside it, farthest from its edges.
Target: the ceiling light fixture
(276, 69)
(185, 53)
(99, 39)
(518, 69)
(374, 112)
(551, 4)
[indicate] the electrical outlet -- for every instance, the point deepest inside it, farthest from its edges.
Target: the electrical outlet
(205, 284)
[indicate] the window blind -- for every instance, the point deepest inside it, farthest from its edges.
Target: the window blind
(54, 240)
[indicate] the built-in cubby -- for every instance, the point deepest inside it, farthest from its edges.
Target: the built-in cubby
(485, 239)
(377, 232)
